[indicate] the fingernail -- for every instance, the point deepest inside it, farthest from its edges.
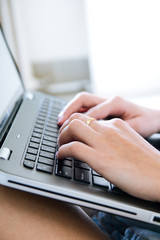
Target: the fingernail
(60, 117)
(57, 154)
(58, 139)
(60, 114)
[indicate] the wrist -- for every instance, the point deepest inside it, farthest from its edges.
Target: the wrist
(156, 120)
(156, 178)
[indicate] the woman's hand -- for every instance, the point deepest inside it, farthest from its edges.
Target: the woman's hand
(81, 103)
(143, 120)
(113, 149)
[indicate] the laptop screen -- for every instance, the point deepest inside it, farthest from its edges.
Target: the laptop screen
(11, 87)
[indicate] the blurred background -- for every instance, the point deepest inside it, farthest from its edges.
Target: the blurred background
(106, 47)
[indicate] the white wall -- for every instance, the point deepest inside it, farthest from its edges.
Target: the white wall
(55, 29)
(124, 46)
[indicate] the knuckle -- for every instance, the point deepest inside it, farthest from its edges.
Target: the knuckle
(117, 122)
(73, 125)
(81, 94)
(75, 116)
(73, 147)
(117, 99)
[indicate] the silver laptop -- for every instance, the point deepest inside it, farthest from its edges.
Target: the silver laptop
(28, 144)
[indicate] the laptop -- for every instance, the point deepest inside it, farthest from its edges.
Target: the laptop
(28, 145)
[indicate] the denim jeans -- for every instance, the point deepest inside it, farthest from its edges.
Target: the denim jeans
(117, 229)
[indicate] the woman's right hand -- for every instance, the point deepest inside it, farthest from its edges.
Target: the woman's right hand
(143, 120)
(115, 151)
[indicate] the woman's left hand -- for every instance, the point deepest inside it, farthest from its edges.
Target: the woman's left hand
(114, 150)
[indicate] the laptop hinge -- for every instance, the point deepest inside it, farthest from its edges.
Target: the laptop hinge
(5, 153)
(29, 96)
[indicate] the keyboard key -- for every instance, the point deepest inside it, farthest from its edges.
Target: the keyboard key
(39, 126)
(57, 103)
(46, 154)
(51, 123)
(38, 130)
(40, 122)
(45, 104)
(28, 164)
(45, 107)
(63, 171)
(34, 145)
(32, 151)
(46, 161)
(95, 173)
(52, 134)
(82, 175)
(54, 114)
(30, 157)
(99, 181)
(44, 168)
(42, 114)
(115, 189)
(56, 109)
(48, 138)
(48, 149)
(68, 158)
(48, 143)
(41, 118)
(36, 135)
(43, 111)
(34, 139)
(46, 101)
(80, 164)
(51, 129)
(65, 162)
(53, 118)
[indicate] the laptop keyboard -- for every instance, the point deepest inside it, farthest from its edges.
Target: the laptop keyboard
(41, 151)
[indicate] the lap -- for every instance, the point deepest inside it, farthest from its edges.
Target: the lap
(28, 216)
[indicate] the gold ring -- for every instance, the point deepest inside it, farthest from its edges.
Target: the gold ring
(89, 121)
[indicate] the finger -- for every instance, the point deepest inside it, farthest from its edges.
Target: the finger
(79, 116)
(72, 117)
(115, 107)
(79, 102)
(65, 124)
(84, 153)
(79, 131)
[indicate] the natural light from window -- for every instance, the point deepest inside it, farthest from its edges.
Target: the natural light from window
(124, 41)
